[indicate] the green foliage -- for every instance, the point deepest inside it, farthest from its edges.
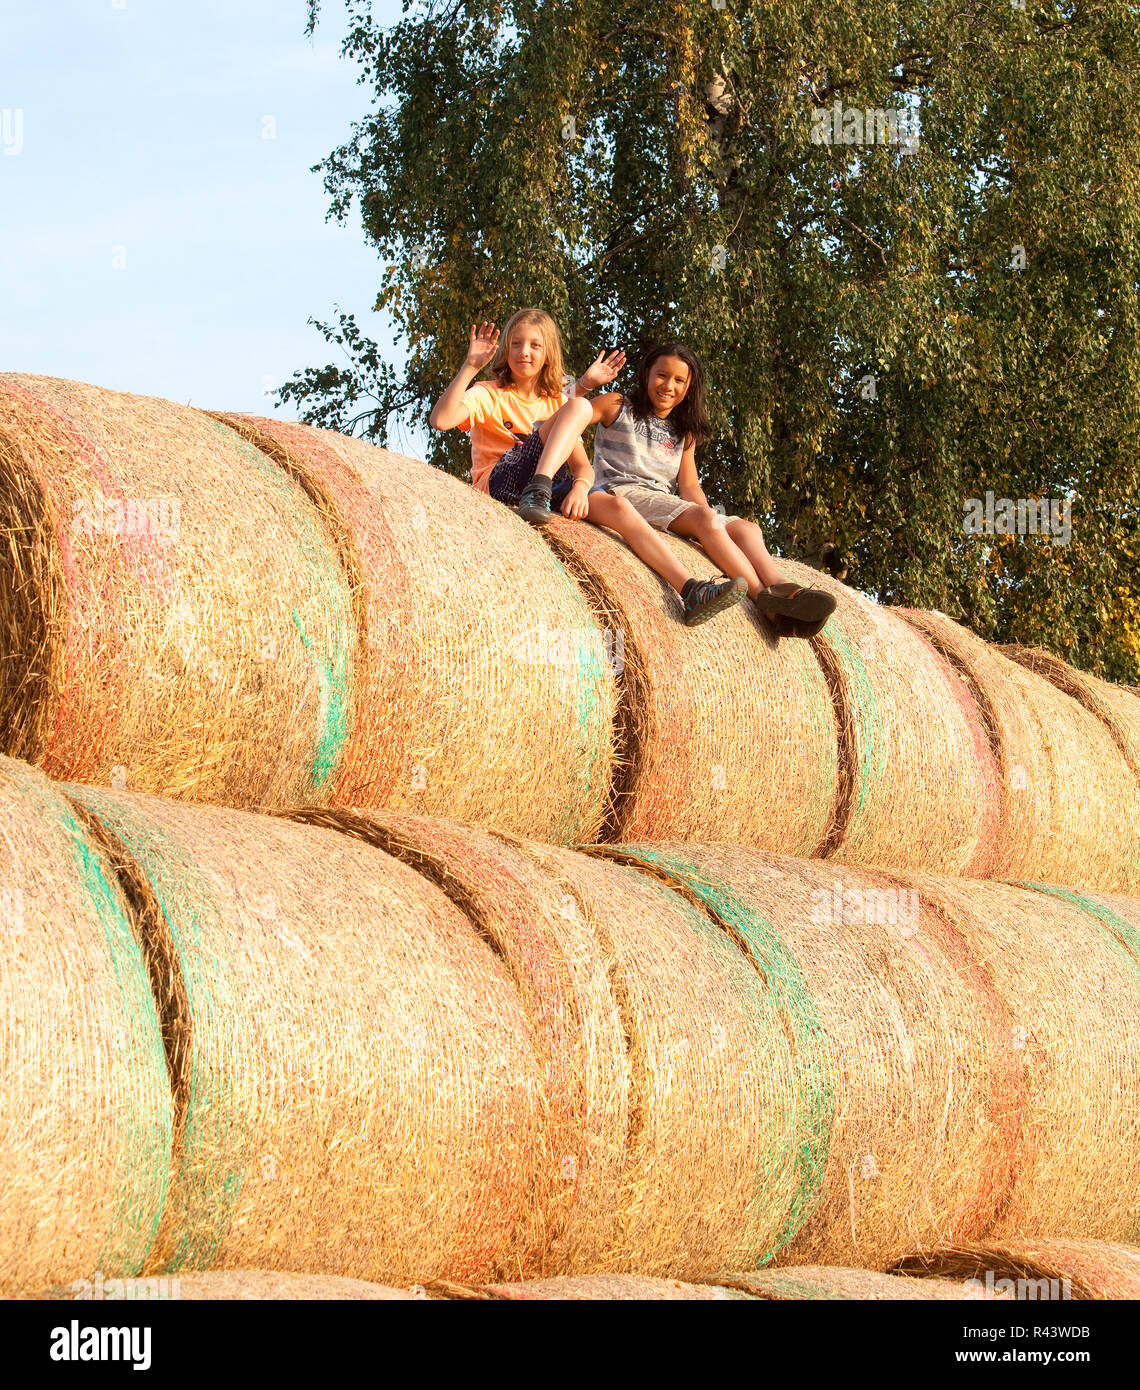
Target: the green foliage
(877, 351)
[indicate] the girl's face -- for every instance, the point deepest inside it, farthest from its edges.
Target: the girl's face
(526, 353)
(667, 383)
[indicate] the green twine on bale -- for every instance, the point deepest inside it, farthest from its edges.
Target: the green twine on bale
(861, 697)
(1121, 934)
(790, 993)
(210, 1164)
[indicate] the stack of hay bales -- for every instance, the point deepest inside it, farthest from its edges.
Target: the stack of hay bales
(354, 1040)
(1044, 1269)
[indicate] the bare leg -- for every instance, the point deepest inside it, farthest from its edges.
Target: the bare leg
(642, 539)
(704, 526)
(561, 433)
(750, 539)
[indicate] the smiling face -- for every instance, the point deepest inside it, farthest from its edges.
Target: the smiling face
(526, 353)
(666, 384)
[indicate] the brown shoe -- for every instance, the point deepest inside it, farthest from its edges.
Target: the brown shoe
(796, 611)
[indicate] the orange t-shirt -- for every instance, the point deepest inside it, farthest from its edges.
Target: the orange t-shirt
(499, 418)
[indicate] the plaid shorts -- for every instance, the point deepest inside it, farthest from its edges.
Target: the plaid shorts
(516, 468)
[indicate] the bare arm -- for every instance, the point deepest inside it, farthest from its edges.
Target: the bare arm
(601, 371)
(449, 410)
(688, 484)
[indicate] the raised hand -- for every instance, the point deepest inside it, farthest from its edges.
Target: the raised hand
(481, 347)
(602, 370)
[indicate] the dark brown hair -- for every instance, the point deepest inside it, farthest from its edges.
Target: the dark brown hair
(688, 419)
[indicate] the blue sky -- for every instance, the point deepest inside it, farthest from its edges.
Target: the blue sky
(155, 239)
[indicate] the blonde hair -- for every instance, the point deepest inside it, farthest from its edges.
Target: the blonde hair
(552, 373)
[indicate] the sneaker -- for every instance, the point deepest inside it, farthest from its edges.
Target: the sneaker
(705, 598)
(534, 501)
(795, 611)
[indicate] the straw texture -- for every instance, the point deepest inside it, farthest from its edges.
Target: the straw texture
(1071, 981)
(85, 1112)
(488, 695)
(557, 964)
(1070, 808)
(1094, 1269)
(726, 733)
(1115, 706)
(174, 614)
(908, 1088)
(810, 1282)
(710, 1152)
(906, 719)
(356, 1085)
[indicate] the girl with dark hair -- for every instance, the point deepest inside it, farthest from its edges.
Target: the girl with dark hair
(644, 450)
(509, 419)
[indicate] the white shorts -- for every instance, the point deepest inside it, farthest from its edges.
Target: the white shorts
(659, 508)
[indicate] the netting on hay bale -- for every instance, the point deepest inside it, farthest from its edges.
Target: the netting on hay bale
(173, 611)
(1070, 800)
(488, 693)
(690, 1134)
(355, 1085)
(85, 1125)
(907, 1082)
(557, 964)
(726, 733)
(1038, 1269)
(906, 719)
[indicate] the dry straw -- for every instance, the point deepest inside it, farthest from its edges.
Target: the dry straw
(1115, 706)
(711, 1161)
(1024, 1268)
(725, 733)
(1068, 969)
(920, 787)
(85, 1121)
(831, 1282)
(488, 692)
(1070, 810)
(908, 1084)
(180, 617)
(356, 1087)
(556, 962)
(622, 1288)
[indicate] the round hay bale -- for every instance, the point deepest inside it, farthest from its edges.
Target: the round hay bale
(803, 1283)
(712, 1160)
(215, 1285)
(556, 963)
(725, 732)
(355, 1084)
(910, 1089)
(906, 719)
(1071, 980)
(493, 697)
(621, 1288)
(85, 1115)
(1115, 706)
(1023, 1268)
(1070, 806)
(175, 616)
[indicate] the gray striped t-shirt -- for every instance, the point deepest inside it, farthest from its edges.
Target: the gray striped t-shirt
(640, 453)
